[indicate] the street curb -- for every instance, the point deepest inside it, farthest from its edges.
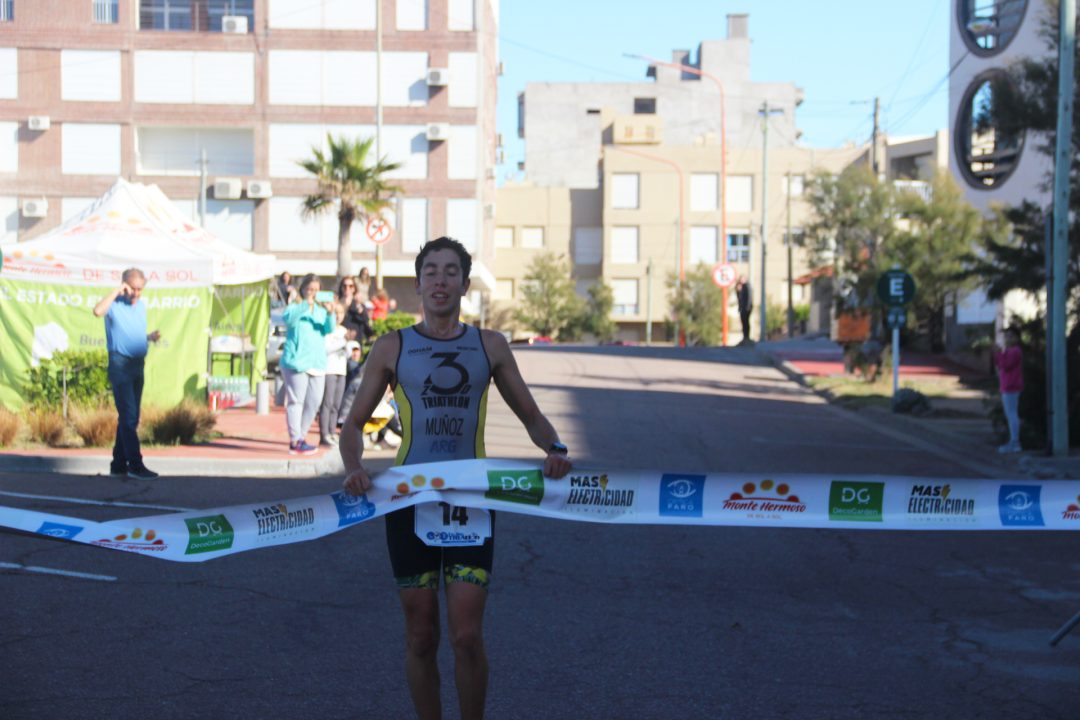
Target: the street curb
(328, 464)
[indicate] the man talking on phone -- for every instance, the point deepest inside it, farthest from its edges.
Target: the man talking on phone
(127, 342)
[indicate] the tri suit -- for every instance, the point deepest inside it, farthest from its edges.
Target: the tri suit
(441, 388)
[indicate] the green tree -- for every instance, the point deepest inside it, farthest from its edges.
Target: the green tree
(350, 184)
(549, 305)
(853, 216)
(597, 314)
(933, 242)
(698, 306)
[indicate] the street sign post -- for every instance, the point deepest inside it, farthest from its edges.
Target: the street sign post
(724, 275)
(378, 230)
(896, 288)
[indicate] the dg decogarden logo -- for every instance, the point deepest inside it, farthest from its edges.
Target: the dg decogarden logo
(856, 501)
(518, 486)
(208, 534)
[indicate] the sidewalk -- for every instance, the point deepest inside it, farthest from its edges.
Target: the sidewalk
(959, 424)
(250, 445)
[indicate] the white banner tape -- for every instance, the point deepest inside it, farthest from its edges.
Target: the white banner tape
(615, 496)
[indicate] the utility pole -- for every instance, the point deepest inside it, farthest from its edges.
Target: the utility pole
(789, 243)
(378, 123)
(765, 113)
(874, 136)
(203, 162)
(1059, 431)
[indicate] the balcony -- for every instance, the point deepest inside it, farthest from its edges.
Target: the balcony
(106, 12)
(195, 15)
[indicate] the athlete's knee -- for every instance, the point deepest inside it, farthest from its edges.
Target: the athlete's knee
(467, 640)
(422, 641)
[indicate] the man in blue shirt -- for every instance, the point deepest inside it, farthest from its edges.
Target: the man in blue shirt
(126, 339)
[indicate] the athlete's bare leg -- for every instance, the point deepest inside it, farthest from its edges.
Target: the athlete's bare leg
(465, 618)
(421, 608)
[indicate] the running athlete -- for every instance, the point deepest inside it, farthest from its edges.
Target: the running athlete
(440, 370)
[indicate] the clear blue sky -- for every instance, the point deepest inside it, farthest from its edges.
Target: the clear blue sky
(842, 53)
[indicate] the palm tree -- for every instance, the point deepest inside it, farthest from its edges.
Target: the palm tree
(349, 184)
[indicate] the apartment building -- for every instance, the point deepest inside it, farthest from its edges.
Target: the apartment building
(144, 89)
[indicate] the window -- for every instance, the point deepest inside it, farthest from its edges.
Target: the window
(587, 245)
(231, 221)
(461, 221)
(460, 15)
(176, 151)
(624, 191)
(90, 75)
(644, 106)
(988, 26)
(105, 12)
(738, 246)
(414, 234)
(703, 245)
(625, 294)
(796, 185)
(740, 193)
(463, 74)
(412, 14)
(322, 14)
(9, 73)
(504, 289)
(532, 237)
(504, 237)
(7, 10)
(9, 147)
(89, 149)
(193, 15)
(987, 156)
(461, 154)
(624, 245)
(704, 192)
(182, 77)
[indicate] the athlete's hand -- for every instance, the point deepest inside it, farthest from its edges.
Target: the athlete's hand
(357, 482)
(556, 465)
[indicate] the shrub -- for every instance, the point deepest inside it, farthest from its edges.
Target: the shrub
(95, 425)
(394, 321)
(47, 426)
(184, 424)
(149, 417)
(87, 379)
(9, 427)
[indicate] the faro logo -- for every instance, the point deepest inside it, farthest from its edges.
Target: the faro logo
(208, 534)
(520, 486)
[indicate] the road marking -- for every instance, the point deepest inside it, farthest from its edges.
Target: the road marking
(107, 503)
(54, 571)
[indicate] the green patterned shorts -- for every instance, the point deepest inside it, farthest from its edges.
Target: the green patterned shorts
(451, 573)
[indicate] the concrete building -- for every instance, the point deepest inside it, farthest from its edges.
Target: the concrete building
(603, 167)
(93, 89)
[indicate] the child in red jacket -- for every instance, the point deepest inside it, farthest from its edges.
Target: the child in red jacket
(1009, 362)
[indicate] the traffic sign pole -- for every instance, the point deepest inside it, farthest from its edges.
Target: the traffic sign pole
(896, 289)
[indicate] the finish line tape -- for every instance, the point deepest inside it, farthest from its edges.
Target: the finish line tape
(617, 496)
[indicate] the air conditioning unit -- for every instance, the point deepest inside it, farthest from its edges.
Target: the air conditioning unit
(438, 77)
(227, 189)
(36, 208)
(490, 174)
(236, 24)
(259, 189)
(438, 131)
(38, 122)
(489, 211)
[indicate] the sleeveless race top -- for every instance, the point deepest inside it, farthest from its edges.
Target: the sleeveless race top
(441, 391)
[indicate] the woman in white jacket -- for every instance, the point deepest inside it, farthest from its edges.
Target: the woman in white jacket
(336, 356)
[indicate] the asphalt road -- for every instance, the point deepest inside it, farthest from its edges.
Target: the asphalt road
(584, 620)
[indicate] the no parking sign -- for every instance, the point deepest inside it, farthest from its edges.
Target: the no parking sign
(724, 275)
(378, 230)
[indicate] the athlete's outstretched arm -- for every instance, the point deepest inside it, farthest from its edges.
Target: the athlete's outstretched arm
(378, 372)
(512, 387)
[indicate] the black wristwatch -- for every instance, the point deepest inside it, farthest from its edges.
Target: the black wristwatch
(558, 447)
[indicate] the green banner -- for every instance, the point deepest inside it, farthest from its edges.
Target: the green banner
(37, 319)
(242, 311)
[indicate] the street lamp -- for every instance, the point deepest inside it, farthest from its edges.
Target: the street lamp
(723, 160)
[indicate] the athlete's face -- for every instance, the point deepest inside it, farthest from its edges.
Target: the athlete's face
(441, 284)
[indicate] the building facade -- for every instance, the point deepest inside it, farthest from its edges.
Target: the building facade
(145, 89)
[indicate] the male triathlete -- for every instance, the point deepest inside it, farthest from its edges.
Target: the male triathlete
(440, 370)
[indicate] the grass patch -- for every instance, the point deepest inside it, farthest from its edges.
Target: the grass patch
(854, 392)
(47, 426)
(187, 423)
(95, 425)
(10, 424)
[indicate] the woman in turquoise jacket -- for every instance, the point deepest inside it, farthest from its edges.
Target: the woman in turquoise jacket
(303, 362)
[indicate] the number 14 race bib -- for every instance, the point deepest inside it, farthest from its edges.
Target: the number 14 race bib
(444, 525)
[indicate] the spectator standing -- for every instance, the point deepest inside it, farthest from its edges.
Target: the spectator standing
(303, 361)
(357, 320)
(363, 286)
(336, 362)
(1009, 361)
(283, 288)
(745, 298)
(381, 305)
(127, 342)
